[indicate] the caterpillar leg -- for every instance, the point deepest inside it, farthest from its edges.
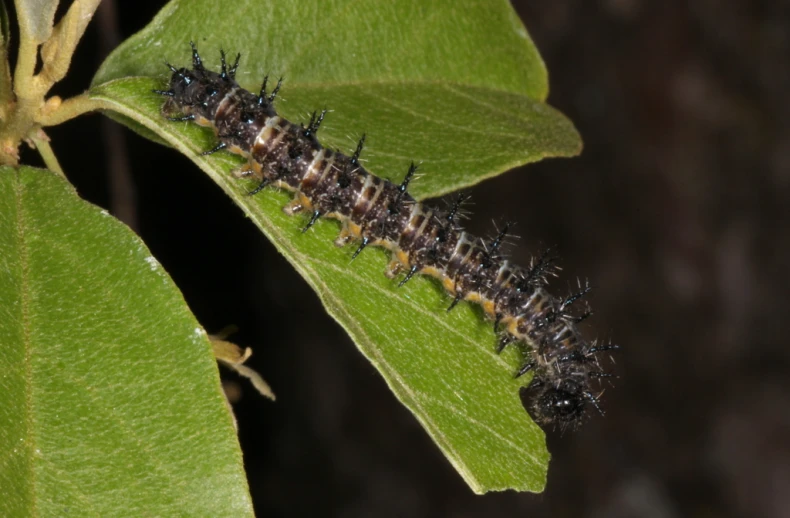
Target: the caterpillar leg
(345, 236)
(299, 203)
(393, 269)
(244, 172)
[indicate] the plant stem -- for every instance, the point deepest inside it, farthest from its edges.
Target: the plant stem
(25, 65)
(41, 141)
(57, 51)
(71, 108)
(6, 87)
(30, 111)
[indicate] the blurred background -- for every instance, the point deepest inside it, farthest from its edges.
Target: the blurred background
(676, 211)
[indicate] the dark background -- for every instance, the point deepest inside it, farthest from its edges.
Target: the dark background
(676, 212)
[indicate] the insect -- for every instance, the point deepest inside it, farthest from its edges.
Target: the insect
(376, 212)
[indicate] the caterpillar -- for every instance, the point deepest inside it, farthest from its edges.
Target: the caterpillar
(376, 212)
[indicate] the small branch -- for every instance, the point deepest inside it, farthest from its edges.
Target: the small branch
(57, 113)
(25, 65)
(41, 141)
(6, 88)
(57, 51)
(33, 29)
(20, 118)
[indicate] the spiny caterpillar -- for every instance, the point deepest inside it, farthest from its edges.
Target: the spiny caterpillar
(374, 211)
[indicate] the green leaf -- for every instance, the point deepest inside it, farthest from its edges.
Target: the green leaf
(342, 42)
(456, 85)
(441, 366)
(110, 401)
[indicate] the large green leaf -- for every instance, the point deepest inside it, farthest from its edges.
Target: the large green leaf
(110, 402)
(456, 85)
(347, 42)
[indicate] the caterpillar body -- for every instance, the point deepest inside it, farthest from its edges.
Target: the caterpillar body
(376, 212)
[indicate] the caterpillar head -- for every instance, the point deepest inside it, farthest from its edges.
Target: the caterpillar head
(562, 405)
(197, 91)
(181, 81)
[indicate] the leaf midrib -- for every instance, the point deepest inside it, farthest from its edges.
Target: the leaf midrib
(24, 261)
